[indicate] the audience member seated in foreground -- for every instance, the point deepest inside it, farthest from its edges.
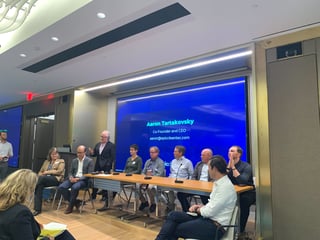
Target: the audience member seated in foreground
(50, 174)
(76, 181)
(200, 173)
(16, 220)
(218, 211)
(240, 173)
(153, 167)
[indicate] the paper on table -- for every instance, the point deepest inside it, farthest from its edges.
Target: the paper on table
(55, 226)
(52, 229)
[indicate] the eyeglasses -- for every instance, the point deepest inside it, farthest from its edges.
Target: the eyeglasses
(103, 136)
(153, 152)
(80, 152)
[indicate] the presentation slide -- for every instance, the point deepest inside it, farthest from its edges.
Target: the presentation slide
(10, 121)
(200, 116)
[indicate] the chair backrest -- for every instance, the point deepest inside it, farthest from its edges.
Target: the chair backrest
(231, 227)
(230, 233)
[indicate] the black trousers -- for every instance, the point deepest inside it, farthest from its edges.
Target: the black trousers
(246, 200)
(43, 181)
(185, 202)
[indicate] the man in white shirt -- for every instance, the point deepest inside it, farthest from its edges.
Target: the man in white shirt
(5, 153)
(218, 211)
(79, 166)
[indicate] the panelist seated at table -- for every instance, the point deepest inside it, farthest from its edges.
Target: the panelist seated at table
(153, 167)
(200, 173)
(133, 166)
(76, 180)
(50, 174)
(218, 211)
(240, 173)
(134, 162)
(180, 168)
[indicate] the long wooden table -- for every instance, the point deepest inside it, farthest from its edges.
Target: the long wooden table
(113, 183)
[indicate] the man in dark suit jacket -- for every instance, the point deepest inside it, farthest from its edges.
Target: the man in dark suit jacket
(105, 152)
(76, 180)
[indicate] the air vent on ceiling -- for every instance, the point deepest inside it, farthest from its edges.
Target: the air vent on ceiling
(137, 26)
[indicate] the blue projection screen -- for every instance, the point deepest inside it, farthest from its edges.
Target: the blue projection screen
(200, 116)
(10, 120)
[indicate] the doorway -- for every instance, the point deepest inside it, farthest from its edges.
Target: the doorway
(39, 131)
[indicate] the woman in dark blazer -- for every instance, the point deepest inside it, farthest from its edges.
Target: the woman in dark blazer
(16, 220)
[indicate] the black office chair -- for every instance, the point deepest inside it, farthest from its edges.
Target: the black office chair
(83, 200)
(232, 227)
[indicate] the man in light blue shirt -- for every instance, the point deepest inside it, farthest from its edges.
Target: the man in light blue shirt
(180, 168)
(5, 153)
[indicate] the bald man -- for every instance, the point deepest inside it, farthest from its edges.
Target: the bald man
(200, 173)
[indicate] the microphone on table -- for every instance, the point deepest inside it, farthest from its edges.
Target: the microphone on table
(178, 181)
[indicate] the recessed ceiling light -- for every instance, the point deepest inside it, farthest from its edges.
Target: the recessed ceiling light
(23, 55)
(101, 15)
(55, 39)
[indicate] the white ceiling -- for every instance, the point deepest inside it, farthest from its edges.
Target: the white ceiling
(212, 25)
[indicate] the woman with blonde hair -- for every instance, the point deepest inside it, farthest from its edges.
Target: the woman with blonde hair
(16, 220)
(50, 174)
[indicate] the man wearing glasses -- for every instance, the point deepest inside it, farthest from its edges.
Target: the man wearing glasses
(153, 167)
(5, 152)
(105, 152)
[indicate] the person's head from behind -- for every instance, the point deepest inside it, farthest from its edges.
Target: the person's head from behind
(179, 151)
(104, 136)
(217, 167)
(53, 154)
(134, 149)
(18, 187)
(206, 155)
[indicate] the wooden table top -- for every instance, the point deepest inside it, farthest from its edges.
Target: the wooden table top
(187, 184)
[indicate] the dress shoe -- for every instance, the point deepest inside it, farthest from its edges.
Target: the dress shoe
(68, 210)
(152, 207)
(35, 213)
(143, 205)
(104, 208)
